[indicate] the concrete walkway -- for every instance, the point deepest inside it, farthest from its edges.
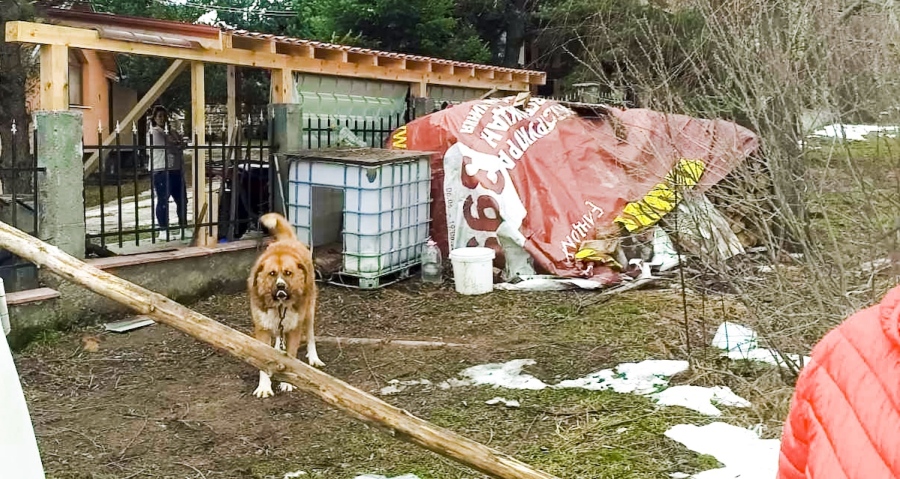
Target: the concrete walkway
(136, 213)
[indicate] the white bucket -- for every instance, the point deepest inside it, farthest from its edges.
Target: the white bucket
(473, 270)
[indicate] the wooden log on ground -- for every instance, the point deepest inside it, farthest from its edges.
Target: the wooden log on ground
(410, 343)
(398, 423)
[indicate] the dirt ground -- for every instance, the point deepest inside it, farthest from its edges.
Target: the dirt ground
(157, 403)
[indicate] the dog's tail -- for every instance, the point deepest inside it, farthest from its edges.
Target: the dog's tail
(278, 226)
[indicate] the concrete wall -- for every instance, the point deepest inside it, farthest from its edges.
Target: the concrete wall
(185, 275)
(123, 101)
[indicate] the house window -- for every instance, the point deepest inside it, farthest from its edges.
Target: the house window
(75, 80)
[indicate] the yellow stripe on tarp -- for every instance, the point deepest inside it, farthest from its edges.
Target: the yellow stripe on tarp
(663, 198)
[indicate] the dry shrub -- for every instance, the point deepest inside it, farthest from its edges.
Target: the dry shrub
(821, 209)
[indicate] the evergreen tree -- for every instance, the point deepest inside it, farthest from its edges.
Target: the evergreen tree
(16, 64)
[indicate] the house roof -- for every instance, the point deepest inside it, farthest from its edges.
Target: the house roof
(188, 35)
(367, 51)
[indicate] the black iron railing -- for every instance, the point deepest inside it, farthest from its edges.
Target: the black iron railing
(124, 204)
(19, 207)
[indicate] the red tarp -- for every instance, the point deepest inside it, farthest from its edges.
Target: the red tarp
(534, 182)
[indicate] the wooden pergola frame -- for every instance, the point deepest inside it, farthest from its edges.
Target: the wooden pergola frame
(192, 46)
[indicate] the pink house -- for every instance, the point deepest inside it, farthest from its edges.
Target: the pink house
(95, 91)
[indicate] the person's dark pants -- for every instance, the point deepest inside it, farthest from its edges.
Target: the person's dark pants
(170, 183)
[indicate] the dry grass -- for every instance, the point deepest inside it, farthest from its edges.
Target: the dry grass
(153, 401)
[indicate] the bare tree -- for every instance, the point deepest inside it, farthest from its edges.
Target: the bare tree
(15, 67)
(822, 210)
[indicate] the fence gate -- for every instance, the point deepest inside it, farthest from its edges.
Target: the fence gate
(19, 205)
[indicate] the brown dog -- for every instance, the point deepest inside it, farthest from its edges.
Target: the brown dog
(282, 291)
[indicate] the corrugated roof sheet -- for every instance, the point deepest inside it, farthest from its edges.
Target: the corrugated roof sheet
(194, 30)
(367, 51)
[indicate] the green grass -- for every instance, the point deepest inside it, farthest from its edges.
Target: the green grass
(92, 193)
(581, 434)
(878, 149)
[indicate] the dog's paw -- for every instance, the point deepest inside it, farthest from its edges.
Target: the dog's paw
(263, 392)
(286, 387)
(315, 361)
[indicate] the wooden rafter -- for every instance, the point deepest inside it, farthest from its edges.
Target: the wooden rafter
(264, 53)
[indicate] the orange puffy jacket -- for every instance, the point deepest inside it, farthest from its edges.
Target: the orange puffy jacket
(845, 415)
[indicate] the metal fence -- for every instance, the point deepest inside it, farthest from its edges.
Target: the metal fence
(19, 207)
(127, 205)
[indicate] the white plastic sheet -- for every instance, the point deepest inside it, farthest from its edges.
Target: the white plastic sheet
(19, 457)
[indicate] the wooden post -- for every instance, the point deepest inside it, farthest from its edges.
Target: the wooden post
(399, 423)
(54, 77)
(419, 89)
(282, 86)
(230, 103)
(198, 126)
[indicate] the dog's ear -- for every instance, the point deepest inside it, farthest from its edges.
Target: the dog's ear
(254, 277)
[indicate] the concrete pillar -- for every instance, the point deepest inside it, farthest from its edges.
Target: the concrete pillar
(285, 136)
(61, 185)
(420, 107)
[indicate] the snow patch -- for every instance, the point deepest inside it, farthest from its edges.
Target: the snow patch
(700, 399)
(854, 132)
(743, 453)
(395, 386)
(294, 475)
(646, 378)
(510, 403)
(741, 342)
(507, 375)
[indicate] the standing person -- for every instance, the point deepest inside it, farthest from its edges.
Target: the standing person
(166, 165)
(844, 421)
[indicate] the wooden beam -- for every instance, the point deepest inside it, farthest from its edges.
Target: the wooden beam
(282, 83)
(419, 89)
(54, 77)
(198, 125)
(230, 102)
(27, 32)
(139, 109)
(398, 423)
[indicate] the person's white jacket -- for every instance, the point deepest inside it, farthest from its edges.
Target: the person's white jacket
(157, 137)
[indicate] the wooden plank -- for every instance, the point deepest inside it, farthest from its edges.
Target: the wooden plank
(139, 108)
(231, 102)
(54, 77)
(115, 262)
(398, 423)
(19, 298)
(410, 343)
(282, 87)
(27, 32)
(198, 123)
(214, 213)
